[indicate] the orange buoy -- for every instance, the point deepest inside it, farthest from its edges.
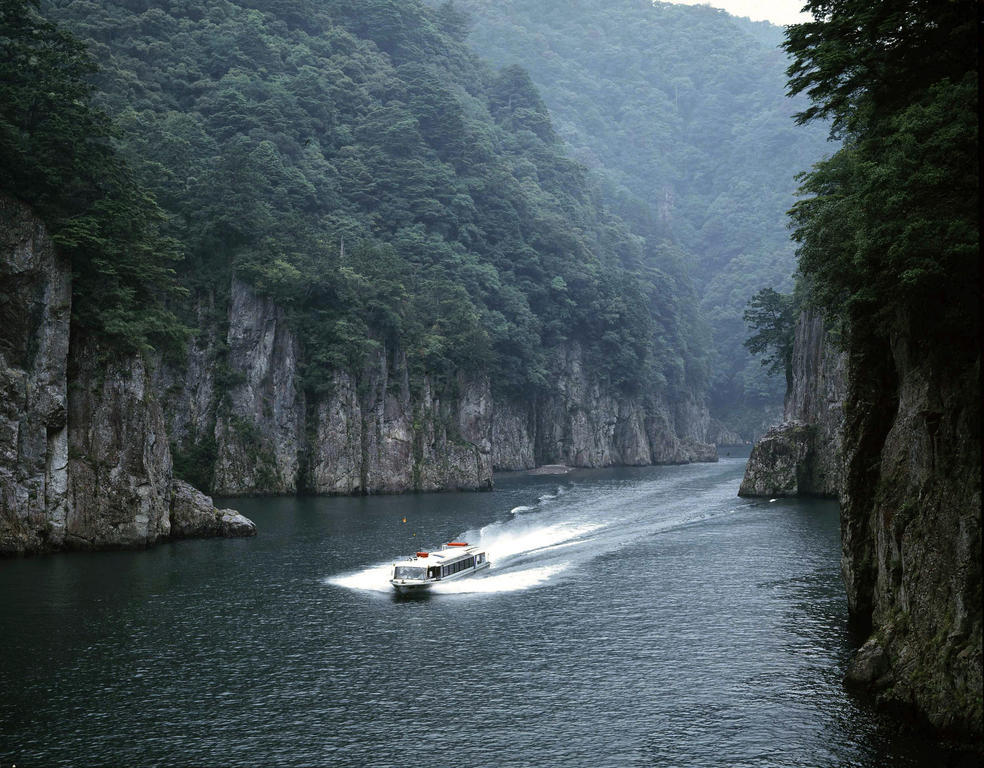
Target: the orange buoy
(457, 543)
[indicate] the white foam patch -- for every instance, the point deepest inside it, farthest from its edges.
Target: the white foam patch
(511, 581)
(375, 578)
(503, 542)
(517, 510)
(552, 496)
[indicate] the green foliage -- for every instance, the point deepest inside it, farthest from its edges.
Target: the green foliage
(56, 153)
(888, 227)
(195, 463)
(356, 162)
(771, 317)
(681, 111)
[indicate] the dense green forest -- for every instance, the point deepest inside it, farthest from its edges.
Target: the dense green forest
(56, 153)
(888, 227)
(682, 111)
(357, 162)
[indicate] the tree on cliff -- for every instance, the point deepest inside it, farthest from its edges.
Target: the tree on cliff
(771, 316)
(56, 154)
(888, 228)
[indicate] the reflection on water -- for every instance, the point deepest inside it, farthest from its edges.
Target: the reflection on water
(631, 617)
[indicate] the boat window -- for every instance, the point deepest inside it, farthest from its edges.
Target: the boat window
(408, 572)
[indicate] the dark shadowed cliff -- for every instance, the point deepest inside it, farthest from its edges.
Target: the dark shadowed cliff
(889, 251)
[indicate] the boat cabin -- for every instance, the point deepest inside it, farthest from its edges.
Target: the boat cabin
(453, 560)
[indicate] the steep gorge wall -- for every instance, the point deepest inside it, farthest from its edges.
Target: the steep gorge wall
(374, 430)
(84, 458)
(911, 530)
(893, 430)
(585, 424)
(369, 431)
(35, 312)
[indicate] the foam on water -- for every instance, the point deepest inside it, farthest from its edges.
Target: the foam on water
(509, 581)
(375, 578)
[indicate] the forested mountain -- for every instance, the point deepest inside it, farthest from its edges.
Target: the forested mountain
(682, 111)
(357, 163)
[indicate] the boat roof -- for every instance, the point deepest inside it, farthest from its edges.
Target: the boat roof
(445, 555)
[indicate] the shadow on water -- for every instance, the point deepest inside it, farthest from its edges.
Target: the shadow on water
(420, 596)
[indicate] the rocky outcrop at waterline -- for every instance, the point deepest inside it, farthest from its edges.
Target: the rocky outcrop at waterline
(803, 455)
(84, 457)
(194, 515)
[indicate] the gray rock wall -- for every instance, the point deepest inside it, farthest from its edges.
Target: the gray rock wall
(803, 455)
(35, 311)
(259, 428)
(816, 397)
(120, 464)
(513, 435)
(585, 424)
(84, 457)
(188, 394)
(893, 430)
(911, 530)
(370, 431)
(384, 437)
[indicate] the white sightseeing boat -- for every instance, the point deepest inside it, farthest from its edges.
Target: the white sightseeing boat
(454, 560)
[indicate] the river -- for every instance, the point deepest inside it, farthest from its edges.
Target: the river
(632, 617)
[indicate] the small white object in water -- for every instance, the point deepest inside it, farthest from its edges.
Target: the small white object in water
(771, 500)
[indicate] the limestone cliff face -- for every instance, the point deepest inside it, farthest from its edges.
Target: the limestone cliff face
(35, 311)
(119, 465)
(188, 394)
(911, 530)
(259, 424)
(377, 435)
(84, 458)
(803, 455)
(371, 432)
(374, 431)
(583, 423)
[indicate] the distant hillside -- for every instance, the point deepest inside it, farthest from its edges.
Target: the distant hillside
(683, 110)
(359, 164)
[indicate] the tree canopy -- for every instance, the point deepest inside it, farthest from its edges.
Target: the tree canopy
(681, 111)
(357, 162)
(771, 316)
(56, 153)
(888, 227)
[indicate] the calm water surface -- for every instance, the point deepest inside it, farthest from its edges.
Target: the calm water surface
(632, 617)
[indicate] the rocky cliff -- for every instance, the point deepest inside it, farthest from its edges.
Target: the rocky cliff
(911, 529)
(893, 430)
(376, 434)
(375, 431)
(84, 458)
(583, 423)
(803, 456)
(35, 312)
